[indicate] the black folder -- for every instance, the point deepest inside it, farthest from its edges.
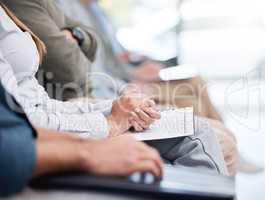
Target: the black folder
(178, 183)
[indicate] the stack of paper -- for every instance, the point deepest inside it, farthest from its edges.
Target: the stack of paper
(173, 123)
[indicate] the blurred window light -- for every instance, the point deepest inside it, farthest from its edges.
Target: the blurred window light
(142, 25)
(233, 12)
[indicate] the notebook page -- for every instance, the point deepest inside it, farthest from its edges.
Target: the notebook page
(173, 123)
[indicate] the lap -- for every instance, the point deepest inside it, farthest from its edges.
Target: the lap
(199, 151)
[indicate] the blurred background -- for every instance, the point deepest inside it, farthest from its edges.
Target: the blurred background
(225, 39)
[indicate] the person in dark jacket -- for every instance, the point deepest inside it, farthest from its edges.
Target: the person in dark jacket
(26, 152)
(17, 141)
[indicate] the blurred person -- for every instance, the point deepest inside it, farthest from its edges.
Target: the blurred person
(28, 152)
(71, 71)
(18, 67)
(191, 92)
(89, 13)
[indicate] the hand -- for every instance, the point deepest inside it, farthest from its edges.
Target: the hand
(132, 89)
(125, 56)
(85, 2)
(134, 57)
(131, 111)
(120, 156)
(148, 71)
(69, 36)
(228, 144)
(145, 115)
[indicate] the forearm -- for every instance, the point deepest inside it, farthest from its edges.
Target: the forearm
(44, 134)
(57, 153)
(89, 46)
(91, 124)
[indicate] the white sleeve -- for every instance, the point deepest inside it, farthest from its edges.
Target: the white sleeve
(79, 117)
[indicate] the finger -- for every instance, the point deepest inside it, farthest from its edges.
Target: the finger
(153, 156)
(147, 152)
(135, 117)
(148, 166)
(231, 160)
(152, 112)
(229, 150)
(136, 126)
(232, 169)
(150, 103)
(144, 117)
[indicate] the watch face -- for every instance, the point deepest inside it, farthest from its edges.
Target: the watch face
(78, 34)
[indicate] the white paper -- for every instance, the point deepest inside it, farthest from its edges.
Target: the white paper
(180, 72)
(173, 123)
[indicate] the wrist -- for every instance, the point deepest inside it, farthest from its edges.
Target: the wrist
(77, 34)
(112, 125)
(57, 154)
(86, 155)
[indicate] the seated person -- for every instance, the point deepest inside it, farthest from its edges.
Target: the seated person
(99, 19)
(66, 41)
(18, 67)
(27, 152)
(91, 14)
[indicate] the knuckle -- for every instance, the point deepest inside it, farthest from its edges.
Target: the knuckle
(125, 99)
(131, 160)
(151, 121)
(156, 152)
(130, 102)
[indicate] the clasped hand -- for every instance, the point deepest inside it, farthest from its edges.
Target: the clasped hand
(132, 111)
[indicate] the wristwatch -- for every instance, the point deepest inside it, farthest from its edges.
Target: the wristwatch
(78, 34)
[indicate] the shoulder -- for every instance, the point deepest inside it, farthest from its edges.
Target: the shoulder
(16, 5)
(6, 23)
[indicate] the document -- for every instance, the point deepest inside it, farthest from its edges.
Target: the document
(180, 72)
(174, 123)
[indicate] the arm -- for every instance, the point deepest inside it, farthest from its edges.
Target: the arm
(16, 142)
(89, 46)
(51, 158)
(105, 119)
(84, 117)
(23, 158)
(79, 117)
(64, 58)
(101, 157)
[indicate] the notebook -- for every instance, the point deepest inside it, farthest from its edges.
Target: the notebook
(174, 123)
(180, 72)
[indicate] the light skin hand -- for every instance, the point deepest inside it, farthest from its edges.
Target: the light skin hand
(144, 115)
(131, 111)
(111, 158)
(69, 36)
(228, 144)
(56, 152)
(59, 152)
(148, 71)
(85, 2)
